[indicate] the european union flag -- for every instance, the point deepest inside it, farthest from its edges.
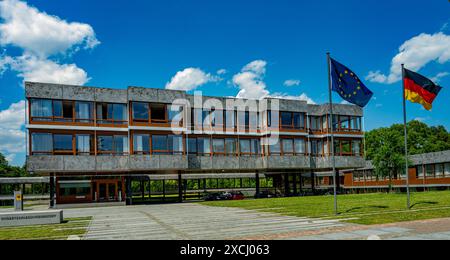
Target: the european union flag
(347, 84)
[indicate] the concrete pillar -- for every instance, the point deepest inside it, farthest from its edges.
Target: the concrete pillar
(52, 190)
(301, 183)
(129, 191)
(164, 189)
(313, 182)
(142, 190)
(257, 185)
(287, 189)
(338, 181)
(180, 188)
(295, 183)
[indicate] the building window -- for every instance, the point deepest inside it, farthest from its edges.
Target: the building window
(290, 120)
(175, 114)
(67, 111)
(176, 144)
(62, 144)
(204, 146)
(160, 144)
(218, 146)
(356, 147)
(41, 110)
(84, 112)
(230, 146)
(192, 145)
(158, 113)
(300, 146)
(316, 147)
(112, 144)
(316, 124)
(167, 144)
(140, 112)
(447, 170)
(115, 114)
(439, 170)
(41, 143)
(429, 171)
(83, 144)
(245, 147)
(288, 146)
(275, 148)
(141, 143)
(256, 146)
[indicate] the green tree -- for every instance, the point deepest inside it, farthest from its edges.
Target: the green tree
(385, 146)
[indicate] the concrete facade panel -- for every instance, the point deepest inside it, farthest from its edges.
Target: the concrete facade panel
(78, 93)
(41, 90)
(111, 95)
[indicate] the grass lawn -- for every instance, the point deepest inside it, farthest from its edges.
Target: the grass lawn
(71, 226)
(368, 209)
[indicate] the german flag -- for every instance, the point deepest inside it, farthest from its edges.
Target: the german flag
(419, 89)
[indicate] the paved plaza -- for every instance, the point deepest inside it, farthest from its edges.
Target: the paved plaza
(191, 221)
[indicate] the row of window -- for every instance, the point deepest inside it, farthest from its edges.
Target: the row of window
(434, 171)
(116, 144)
(45, 110)
(429, 171)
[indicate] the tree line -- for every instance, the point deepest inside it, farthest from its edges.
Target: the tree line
(385, 147)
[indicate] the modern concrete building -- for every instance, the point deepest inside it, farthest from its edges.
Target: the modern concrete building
(115, 145)
(427, 171)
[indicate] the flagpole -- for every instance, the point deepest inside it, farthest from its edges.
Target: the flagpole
(406, 139)
(332, 134)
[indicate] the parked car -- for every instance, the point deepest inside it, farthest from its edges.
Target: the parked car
(237, 195)
(212, 197)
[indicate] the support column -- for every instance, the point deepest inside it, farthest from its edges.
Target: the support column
(142, 190)
(313, 182)
(164, 190)
(257, 185)
(295, 183)
(23, 195)
(301, 183)
(180, 188)
(52, 190)
(338, 181)
(287, 189)
(129, 191)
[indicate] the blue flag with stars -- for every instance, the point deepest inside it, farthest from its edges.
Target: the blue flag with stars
(347, 84)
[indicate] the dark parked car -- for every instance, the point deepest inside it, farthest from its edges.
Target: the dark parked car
(237, 195)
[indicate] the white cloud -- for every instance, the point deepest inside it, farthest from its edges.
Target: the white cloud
(40, 36)
(32, 68)
(39, 33)
(190, 79)
(376, 76)
(250, 80)
(222, 72)
(12, 135)
(416, 53)
(302, 97)
(257, 66)
(292, 82)
(439, 76)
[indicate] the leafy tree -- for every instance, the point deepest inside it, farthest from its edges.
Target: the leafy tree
(385, 146)
(7, 170)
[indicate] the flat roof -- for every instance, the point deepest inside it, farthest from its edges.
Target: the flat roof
(24, 180)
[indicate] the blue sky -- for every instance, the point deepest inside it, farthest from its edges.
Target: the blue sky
(145, 43)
